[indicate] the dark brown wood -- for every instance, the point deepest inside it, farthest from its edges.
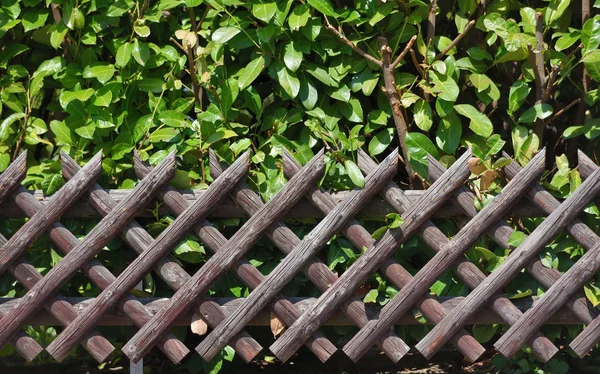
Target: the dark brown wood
(232, 252)
(228, 305)
(298, 258)
(588, 338)
(397, 274)
(38, 224)
(144, 262)
(403, 301)
(28, 276)
(470, 273)
(285, 239)
(516, 261)
(98, 237)
(368, 262)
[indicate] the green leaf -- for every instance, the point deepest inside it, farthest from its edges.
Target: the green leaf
(62, 133)
(165, 134)
(323, 6)
(140, 52)
(381, 141)
(172, 118)
(264, 11)
(354, 173)
(4, 161)
(248, 74)
(82, 95)
(103, 97)
(229, 92)
(418, 145)
(224, 34)
(541, 111)
(423, 115)
(292, 57)
(516, 238)
(445, 87)
(352, 110)
(371, 296)
(87, 131)
(591, 60)
(590, 34)
(5, 126)
(321, 74)
(124, 54)
(480, 124)
(52, 183)
(288, 81)
(34, 19)
(484, 333)
(517, 95)
(101, 71)
(299, 17)
(449, 132)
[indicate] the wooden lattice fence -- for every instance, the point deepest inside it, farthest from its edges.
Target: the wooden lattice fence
(229, 196)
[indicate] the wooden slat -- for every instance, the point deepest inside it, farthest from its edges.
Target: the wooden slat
(516, 261)
(233, 251)
(298, 258)
(369, 261)
(403, 301)
(38, 224)
(97, 238)
(376, 209)
(399, 276)
(144, 262)
(25, 345)
(588, 338)
(247, 273)
(229, 304)
(470, 273)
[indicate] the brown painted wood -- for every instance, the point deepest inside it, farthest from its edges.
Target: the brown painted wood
(369, 261)
(38, 224)
(247, 273)
(516, 261)
(134, 273)
(376, 209)
(403, 301)
(298, 258)
(229, 304)
(232, 252)
(98, 237)
(399, 276)
(470, 273)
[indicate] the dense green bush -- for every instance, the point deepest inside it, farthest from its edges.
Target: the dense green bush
(188, 75)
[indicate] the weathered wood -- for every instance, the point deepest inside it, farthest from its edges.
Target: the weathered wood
(25, 345)
(28, 276)
(285, 239)
(298, 258)
(38, 224)
(588, 338)
(247, 273)
(98, 237)
(376, 209)
(470, 273)
(144, 262)
(397, 274)
(518, 259)
(233, 251)
(403, 301)
(369, 261)
(229, 304)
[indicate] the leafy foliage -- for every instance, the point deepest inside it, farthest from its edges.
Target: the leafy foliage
(188, 75)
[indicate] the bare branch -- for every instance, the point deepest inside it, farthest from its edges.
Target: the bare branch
(404, 52)
(350, 44)
(555, 70)
(563, 110)
(431, 23)
(456, 40)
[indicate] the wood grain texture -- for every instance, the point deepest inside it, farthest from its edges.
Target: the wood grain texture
(98, 346)
(590, 336)
(361, 238)
(38, 224)
(232, 252)
(96, 239)
(133, 274)
(298, 258)
(285, 239)
(403, 301)
(470, 274)
(516, 261)
(580, 232)
(376, 209)
(369, 261)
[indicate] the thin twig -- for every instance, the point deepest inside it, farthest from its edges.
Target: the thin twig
(563, 110)
(403, 53)
(456, 40)
(416, 63)
(350, 44)
(556, 69)
(431, 23)
(177, 44)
